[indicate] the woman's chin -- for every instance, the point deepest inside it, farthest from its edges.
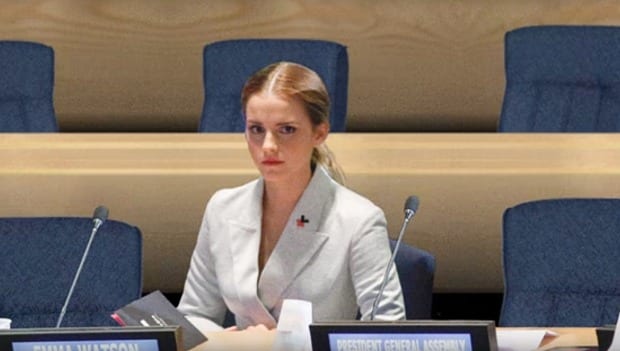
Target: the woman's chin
(270, 174)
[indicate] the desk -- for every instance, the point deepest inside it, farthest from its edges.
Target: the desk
(570, 337)
(161, 183)
(259, 341)
(238, 341)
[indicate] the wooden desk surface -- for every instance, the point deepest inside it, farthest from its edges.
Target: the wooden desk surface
(161, 183)
(570, 337)
(259, 341)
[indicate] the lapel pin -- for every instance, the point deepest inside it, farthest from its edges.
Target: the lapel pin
(301, 221)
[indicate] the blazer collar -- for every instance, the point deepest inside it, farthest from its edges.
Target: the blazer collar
(244, 234)
(300, 240)
(298, 244)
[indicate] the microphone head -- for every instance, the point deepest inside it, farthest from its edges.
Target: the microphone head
(101, 213)
(412, 203)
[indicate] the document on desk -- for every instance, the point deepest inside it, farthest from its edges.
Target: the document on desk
(519, 340)
(155, 310)
(615, 342)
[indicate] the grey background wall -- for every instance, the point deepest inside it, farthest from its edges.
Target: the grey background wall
(415, 65)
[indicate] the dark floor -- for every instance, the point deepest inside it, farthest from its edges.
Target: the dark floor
(447, 305)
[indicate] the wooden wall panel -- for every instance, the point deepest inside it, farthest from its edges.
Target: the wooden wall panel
(162, 182)
(416, 65)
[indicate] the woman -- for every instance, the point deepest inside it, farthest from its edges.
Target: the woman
(294, 233)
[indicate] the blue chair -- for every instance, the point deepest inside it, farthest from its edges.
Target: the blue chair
(39, 258)
(416, 271)
(561, 263)
(562, 79)
(228, 64)
(26, 87)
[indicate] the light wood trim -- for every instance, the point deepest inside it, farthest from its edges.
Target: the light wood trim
(161, 182)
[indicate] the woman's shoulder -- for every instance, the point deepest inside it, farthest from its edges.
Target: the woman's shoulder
(351, 215)
(349, 202)
(339, 199)
(232, 196)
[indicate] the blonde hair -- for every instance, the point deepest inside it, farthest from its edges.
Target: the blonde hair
(293, 80)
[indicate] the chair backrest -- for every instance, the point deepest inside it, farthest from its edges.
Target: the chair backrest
(26, 87)
(228, 64)
(39, 258)
(561, 263)
(562, 79)
(416, 271)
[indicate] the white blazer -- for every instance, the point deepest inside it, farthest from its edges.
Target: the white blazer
(333, 252)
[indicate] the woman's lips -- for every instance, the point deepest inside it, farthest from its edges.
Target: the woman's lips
(272, 162)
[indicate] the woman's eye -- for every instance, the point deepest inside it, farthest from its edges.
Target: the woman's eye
(256, 129)
(287, 129)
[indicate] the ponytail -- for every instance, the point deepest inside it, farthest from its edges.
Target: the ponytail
(322, 156)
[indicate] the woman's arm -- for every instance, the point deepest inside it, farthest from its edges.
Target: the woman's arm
(201, 294)
(370, 254)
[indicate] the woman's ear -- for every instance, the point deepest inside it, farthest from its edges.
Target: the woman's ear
(320, 133)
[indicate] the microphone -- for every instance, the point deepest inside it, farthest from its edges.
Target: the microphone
(411, 206)
(100, 216)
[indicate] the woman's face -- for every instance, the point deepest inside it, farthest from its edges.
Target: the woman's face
(280, 136)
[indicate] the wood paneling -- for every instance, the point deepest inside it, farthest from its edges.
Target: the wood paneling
(161, 183)
(415, 65)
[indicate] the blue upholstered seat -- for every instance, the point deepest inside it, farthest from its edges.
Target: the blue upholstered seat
(39, 257)
(228, 64)
(561, 263)
(416, 271)
(26, 87)
(562, 79)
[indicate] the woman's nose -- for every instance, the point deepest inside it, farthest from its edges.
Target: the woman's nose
(270, 143)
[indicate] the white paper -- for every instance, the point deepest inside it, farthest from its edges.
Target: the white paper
(295, 315)
(293, 333)
(615, 342)
(5, 323)
(519, 340)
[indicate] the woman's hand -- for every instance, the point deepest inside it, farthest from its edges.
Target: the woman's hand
(258, 327)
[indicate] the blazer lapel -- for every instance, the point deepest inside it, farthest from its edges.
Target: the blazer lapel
(244, 235)
(299, 242)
